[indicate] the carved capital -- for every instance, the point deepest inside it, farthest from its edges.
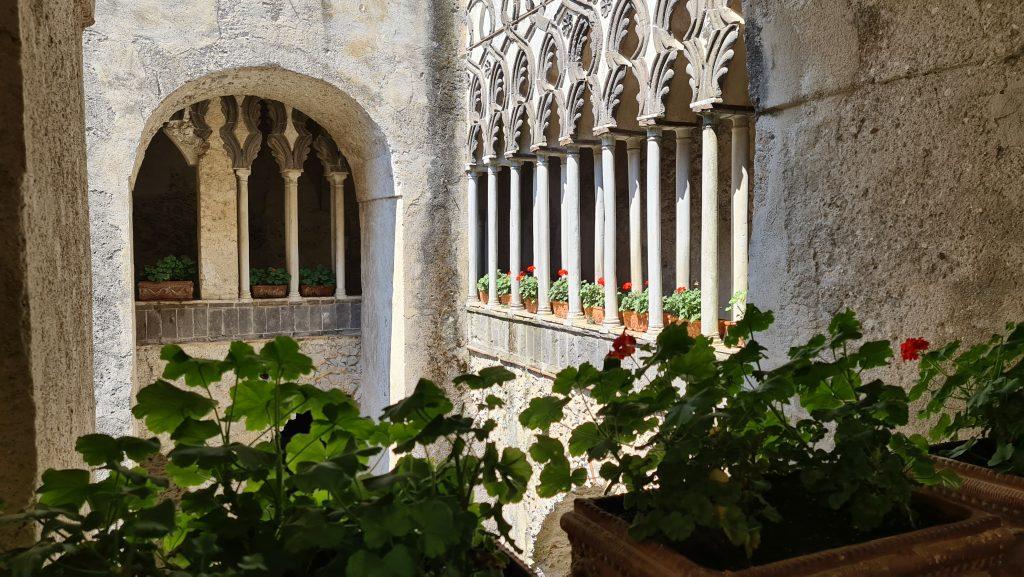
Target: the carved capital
(241, 133)
(188, 136)
(289, 138)
(329, 155)
(708, 47)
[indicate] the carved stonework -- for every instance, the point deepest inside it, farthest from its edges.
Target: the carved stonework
(187, 137)
(289, 139)
(241, 133)
(329, 155)
(708, 48)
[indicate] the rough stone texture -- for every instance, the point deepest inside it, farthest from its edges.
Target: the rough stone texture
(889, 156)
(218, 214)
(45, 350)
(382, 80)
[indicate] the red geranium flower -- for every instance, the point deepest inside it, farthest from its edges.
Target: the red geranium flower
(627, 286)
(509, 274)
(531, 268)
(563, 272)
(521, 276)
(622, 347)
(681, 289)
(600, 281)
(647, 283)
(911, 349)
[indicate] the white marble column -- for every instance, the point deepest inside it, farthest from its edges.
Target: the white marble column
(684, 139)
(291, 229)
(473, 224)
(611, 300)
(636, 266)
(709, 228)
(492, 234)
(740, 196)
(337, 180)
(242, 178)
(543, 259)
(655, 321)
(571, 223)
(563, 228)
(598, 215)
(514, 251)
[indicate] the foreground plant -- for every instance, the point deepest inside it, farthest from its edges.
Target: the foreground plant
(712, 454)
(240, 495)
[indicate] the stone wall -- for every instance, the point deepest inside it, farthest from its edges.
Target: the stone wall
(888, 165)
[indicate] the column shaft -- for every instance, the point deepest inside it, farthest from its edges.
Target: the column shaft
(543, 260)
(492, 234)
(291, 229)
(473, 224)
(242, 177)
(338, 230)
(709, 228)
(514, 251)
(683, 201)
(598, 215)
(636, 266)
(571, 222)
(563, 227)
(655, 321)
(740, 195)
(611, 300)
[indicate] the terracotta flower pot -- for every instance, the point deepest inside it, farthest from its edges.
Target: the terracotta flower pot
(269, 291)
(634, 321)
(505, 300)
(560, 308)
(531, 305)
(970, 542)
(171, 290)
(692, 327)
(594, 314)
(483, 296)
(316, 290)
(723, 326)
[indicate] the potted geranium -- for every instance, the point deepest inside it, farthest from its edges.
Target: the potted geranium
(528, 289)
(316, 282)
(287, 498)
(269, 283)
(171, 278)
(558, 295)
(737, 303)
(724, 476)
(503, 282)
(682, 307)
(634, 306)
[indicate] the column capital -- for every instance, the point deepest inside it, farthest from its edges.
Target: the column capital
(740, 120)
(634, 143)
(608, 139)
(685, 132)
(338, 177)
(243, 172)
(709, 118)
(292, 174)
(493, 166)
(653, 132)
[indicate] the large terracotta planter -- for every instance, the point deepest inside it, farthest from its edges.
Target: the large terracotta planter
(972, 543)
(634, 321)
(269, 291)
(560, 308)
(171, 290)
(531, 305)
(316, 290)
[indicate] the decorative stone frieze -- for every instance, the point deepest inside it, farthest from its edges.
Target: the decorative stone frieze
(240, 133)
(709, 48)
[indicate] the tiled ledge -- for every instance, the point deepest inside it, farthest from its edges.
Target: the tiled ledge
(163, 322)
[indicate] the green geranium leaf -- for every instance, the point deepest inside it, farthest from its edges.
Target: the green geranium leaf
(64, 488)
(193, 432)
(187, 475)
(583, 438)
(542, 412)
(197, 372)
(163, 406)
(284, 361)
(422, 406)
(152, 523)
(97, 449)
(507, 478)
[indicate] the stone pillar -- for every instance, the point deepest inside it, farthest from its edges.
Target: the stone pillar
(514, 252)
(337, 180)
(740, 196)
(242, 175)
(655, 321)
(218, 212)
(291, 229)
(571, 224)
(636, 266)
(684, 138)
(473, 224)
(563, 228)
(543, 261)
(492, 234)
(709, 228)
(598, 215)
(611, 297)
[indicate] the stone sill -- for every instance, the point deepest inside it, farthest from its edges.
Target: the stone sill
(247, 302)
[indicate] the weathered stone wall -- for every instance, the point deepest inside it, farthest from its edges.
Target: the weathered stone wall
(889, 161)
(45, 350)
(381, 77)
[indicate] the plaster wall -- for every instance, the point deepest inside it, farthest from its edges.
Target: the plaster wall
(380, 77)
(888, 166)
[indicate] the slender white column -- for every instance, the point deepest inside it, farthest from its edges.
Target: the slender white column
(291, 229)
(598, 215)
(571, 222)
(740, 196)
(492, 234)
(709, 229)
(337, 180)
(242, 178)
(655, 321)
(563, 227)
(534, 220)
(473, 224)
(514, 253)
(611, 300)
(636, 266)
(684, 138)
(543, 260)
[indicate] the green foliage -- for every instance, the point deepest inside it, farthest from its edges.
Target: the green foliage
(310, 503)
(683, 304)
(592, 294)
(559, 290)
(983, 387)
(528, 288)
(715, 455)
(317, 276)
(738, 301)
(635, 301)
(171, 268)
(269, 276)
(502, 280)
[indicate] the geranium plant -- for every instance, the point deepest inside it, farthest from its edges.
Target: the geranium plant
(502, 280)
(269, 276)
(528, 286)
(592, 294)
(683, 303)
(633, 300)
(559, 290)
(737, 302)
(170, 268)
(722, 466)
(320, 275)
(278, 503)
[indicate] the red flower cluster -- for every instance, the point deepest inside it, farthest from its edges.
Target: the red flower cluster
(600, 281)
(647, 283)
(622, 347)
(521, 276)
(681, 289)
(562, 272)
(911, 349)
(530, 269)
(627, 286)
